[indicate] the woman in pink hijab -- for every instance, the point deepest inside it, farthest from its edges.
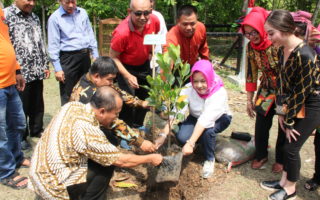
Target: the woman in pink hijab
(209, 114)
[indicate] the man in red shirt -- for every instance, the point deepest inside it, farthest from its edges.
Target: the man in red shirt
(190, 34)
(132, 57)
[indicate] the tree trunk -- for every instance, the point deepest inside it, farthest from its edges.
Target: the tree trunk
(95, 25)
(273, 4)
(174, 8)
(44, 33)
(316, 11)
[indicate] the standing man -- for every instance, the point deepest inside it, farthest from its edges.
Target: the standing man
(60, 167)
(12, 119)
(163, 31)
(190, 34)
(132, 57)
(25, 34)
(70, 42)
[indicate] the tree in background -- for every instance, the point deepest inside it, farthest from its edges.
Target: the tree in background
(209, 11)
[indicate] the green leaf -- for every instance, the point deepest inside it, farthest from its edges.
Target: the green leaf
(180, 117)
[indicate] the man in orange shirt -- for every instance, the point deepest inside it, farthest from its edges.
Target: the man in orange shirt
(190, 34)
(12, 119)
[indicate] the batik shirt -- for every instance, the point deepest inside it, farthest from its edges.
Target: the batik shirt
(60, 157)
(26, 37)
(298, 78)
(264, 61)
(84, 90)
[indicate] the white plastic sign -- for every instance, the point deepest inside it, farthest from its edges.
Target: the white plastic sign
(154, 39)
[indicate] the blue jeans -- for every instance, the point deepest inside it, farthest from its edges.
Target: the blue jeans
(12, 126)
(208, 137)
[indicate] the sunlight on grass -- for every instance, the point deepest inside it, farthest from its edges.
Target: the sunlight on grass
(51, 98)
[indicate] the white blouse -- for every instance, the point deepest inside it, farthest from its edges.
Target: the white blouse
(206, 110)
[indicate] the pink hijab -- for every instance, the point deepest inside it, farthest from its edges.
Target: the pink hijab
(214, 82)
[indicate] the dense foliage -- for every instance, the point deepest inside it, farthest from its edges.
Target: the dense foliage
(210, 11)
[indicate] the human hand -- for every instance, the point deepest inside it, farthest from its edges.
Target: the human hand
(145, 105)
(60, 76)
(187, 149)
(160, 140)
(47, 73)
(132, 80)
(314, 37)
(156, 159)
(250, 109)
(21, 83)
(291, 133)
(147, 146)
(281, 122)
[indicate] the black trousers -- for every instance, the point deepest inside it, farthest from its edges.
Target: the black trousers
(305, 126)
(262, 132)
(316, 175)
(74, 64)
(33, 107)
(98, 177)
(134, 117)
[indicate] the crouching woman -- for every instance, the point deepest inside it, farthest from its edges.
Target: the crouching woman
(209, 114)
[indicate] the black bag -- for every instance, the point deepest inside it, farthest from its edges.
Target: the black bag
(241, 136)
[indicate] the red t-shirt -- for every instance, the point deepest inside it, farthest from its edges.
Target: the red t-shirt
(129, 42)
(190, 48)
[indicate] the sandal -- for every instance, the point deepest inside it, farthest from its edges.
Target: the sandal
(10, 182)
(311, 185)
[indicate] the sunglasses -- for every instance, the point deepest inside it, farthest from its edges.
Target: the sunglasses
(252, 33)
(139, 13)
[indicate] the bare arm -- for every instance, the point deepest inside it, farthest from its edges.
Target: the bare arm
(132, 80)
(197, 132)
(132, 160)
(250, 104)
(188, 147)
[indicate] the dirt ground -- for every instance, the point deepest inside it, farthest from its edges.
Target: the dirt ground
(242, 183)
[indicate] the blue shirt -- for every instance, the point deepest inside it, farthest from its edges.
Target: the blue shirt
(69, 32)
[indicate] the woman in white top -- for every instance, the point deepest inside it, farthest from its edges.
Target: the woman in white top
(209, 113)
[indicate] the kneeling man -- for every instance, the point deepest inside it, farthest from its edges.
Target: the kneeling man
(60, 169)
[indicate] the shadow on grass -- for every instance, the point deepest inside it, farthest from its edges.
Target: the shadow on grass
(46, 119)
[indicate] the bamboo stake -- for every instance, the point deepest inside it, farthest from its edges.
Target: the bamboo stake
(153, 109)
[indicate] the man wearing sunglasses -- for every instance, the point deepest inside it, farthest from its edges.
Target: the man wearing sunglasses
(132, 57)
(190, 34)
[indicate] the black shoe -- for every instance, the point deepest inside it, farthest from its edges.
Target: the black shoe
(282, 195)
(271, 185)
(311, 185)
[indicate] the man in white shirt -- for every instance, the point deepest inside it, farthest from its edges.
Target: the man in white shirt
(163, 31)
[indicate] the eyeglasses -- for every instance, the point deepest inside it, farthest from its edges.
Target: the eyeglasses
(252, 33)
(145, 13)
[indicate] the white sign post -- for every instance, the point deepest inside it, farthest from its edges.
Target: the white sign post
(154, 39)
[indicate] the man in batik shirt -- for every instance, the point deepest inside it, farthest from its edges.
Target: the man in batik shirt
(102, 73)
(59, 168)
(26, 37)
